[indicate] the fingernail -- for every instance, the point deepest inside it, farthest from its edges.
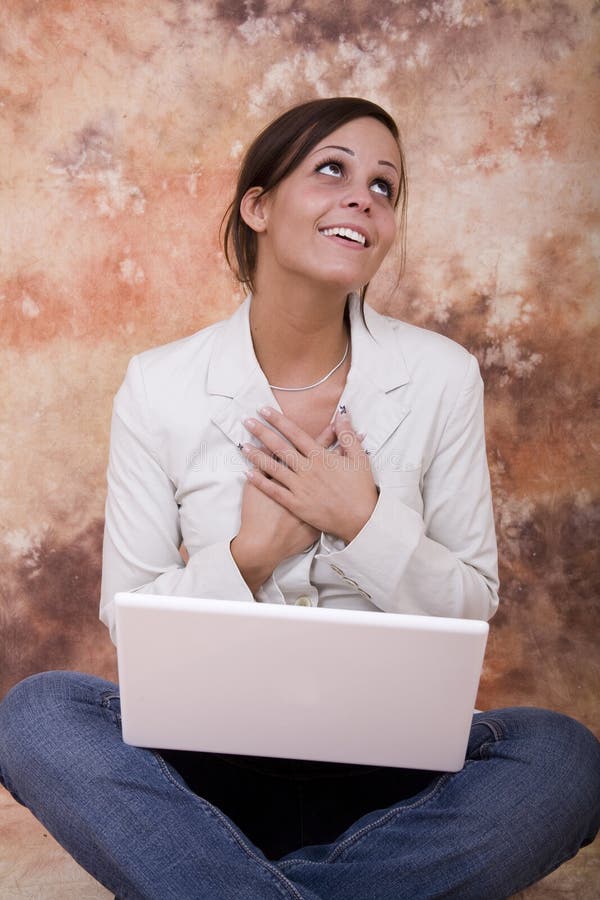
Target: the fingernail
(250, 423)
(266, 411)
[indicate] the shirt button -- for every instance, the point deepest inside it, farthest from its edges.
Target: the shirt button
(303, 601)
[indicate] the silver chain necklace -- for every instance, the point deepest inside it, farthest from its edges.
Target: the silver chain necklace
(308, 387)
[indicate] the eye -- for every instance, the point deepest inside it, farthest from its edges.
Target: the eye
(383, 186)
(331, 167)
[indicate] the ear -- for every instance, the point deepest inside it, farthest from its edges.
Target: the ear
(253, 209)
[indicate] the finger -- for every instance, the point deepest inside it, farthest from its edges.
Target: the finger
(327, 437)
(272, 489)
(295, 435)
(273, 442)
(335, 447)
(348, 440)
(267, 464)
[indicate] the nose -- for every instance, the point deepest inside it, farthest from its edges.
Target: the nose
(358, 197)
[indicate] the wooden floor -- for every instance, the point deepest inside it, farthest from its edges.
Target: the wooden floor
(34, 867)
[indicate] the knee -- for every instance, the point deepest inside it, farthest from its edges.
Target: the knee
(572, 754)
(562, 759)
(544, 733)
(39, 695)
(36, 712)
(23, 704)
(561, 741)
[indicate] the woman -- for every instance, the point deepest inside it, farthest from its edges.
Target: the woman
(305, 451)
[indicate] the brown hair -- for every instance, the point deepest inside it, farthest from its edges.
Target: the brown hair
(277, 151)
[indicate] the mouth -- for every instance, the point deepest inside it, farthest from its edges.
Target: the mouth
(351, 235)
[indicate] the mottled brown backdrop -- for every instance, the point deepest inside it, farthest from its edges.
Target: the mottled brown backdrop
(121, 126)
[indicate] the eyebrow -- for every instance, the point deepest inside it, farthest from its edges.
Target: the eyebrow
(381, 162)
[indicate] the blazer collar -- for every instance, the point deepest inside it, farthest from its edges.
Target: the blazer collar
(238, 387)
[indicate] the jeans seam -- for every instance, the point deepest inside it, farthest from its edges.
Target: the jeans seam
(495, 727)
(498, 735)
(105, 702)
(265, 864)
(367, 829)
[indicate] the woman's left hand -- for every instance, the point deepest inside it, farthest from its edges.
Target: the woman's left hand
(332, 490)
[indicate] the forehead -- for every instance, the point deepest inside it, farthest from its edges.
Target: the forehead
(364, 136)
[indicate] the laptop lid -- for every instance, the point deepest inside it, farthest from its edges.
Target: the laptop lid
(312, 683)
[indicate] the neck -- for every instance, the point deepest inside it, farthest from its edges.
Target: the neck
(298, 335)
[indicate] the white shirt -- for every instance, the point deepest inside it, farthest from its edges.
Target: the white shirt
(176, 473)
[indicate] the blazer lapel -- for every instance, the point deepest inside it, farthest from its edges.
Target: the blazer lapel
(373, 394)
(236, 384)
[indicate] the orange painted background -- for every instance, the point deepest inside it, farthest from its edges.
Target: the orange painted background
(121, 127)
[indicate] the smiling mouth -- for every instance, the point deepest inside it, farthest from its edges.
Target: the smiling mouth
(348, 234)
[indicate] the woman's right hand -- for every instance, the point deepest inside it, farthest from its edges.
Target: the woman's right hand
(269, 533)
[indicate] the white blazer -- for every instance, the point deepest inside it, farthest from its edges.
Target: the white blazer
(176, 473)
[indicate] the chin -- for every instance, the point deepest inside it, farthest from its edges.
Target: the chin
(342, 281)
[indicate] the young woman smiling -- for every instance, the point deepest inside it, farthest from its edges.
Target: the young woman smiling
(320, 235)
(307, 451)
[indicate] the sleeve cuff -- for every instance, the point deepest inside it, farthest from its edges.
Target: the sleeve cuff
(373, 562)
(219, 579)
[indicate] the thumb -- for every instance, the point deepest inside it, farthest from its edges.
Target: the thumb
(327, 436)
(349, 441)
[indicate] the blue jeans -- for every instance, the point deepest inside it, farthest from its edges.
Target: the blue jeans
(526, 800)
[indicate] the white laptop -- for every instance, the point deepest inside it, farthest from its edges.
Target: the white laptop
(297, 682)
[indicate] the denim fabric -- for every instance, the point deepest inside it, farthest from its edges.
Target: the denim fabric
(527, 799)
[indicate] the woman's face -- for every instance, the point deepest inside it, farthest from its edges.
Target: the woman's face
(332, 220)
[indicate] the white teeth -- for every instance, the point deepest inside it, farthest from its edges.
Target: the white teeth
(346, 233)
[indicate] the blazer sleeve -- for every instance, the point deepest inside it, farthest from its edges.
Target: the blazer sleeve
(443, 562)
(142, 534)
